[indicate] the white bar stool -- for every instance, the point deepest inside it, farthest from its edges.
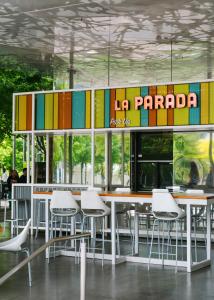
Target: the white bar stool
(198, 214)
(14, 214)
(94, 208)
(165, 210)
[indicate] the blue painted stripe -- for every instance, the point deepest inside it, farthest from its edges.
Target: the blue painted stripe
(194, 112)
(107, 108)
(144, 113)
(40, 111)
(78, 109)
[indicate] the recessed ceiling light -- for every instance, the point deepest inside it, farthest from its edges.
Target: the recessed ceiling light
(92, 52)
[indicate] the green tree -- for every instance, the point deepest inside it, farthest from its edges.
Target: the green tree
(15, 77)
(81, 153)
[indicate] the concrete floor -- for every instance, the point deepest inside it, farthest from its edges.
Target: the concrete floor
(59, 280)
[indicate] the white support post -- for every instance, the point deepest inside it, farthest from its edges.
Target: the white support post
(122, 151)
(82, 270)
(189, 250)
(113, 233)
(33, 140)
(208, 232)
(106, 159)
(28, 158)
(14, 114)
(47, 157)
(92, 138)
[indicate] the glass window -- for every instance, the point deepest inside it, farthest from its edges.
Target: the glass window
(57, 155)
(120, 157)
(193, 159)
(80, 161)
(99, 159)
(40, 159)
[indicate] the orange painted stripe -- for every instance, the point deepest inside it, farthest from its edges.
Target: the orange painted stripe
(61, 110)
(152, 112)
(170, 111)
(29, 112)
(112, 110)
(67, 110)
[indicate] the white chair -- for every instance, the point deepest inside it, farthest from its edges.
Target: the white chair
(198, 215)
(174, 188)
(15, 245)
(63, 205)
(124, 210)
(93, 188)
(125, 190)
(165, 209)
(93, 207)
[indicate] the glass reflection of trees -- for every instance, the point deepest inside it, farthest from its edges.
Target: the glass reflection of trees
(193, 148)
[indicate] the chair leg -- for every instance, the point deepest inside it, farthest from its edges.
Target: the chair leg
(118, 237)
(29, 266)
(103, 240)
(38, 220)
(150, 252)
(195, 238)
(176, 246)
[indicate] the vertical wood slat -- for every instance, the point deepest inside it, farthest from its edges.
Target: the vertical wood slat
(29, 113)
(120, 115)
(152, 112)
(112, 110)
(133, 115)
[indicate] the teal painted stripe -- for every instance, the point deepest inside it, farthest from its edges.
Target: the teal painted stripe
(78, 109)
(107, 108)
(144, 113)
(40, 111)
(194, 112)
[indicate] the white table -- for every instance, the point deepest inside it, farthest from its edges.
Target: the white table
(115, 198)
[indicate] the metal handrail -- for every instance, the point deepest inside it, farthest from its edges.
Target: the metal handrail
(39, 251)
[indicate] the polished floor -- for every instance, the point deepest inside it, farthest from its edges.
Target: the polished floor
(59, 280)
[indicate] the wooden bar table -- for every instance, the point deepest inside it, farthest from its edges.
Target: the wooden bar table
(115, 198)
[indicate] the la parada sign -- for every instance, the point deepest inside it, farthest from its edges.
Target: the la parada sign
(159, 102)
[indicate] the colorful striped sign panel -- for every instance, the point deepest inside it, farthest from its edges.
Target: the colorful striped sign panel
(23, 112)
(137, 111)
(54, 111)
(143, 106)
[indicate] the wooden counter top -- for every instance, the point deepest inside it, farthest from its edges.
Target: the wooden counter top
(137, 195)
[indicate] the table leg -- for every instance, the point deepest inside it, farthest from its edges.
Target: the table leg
(189, 250)
(47, 224)
(31, 215)
(113, 233)
(136, 233)
(208, 232)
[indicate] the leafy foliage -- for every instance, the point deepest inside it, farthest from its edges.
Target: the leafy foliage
(17, 77)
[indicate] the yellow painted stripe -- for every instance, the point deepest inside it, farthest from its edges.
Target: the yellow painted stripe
(211, 106)
(161, 112)
(56, 111)
(17, 113)
(48, 111)
(181, 115)
(22, 112)
(88, 109)
(204, 103)
(99, 109)
(132, 115)
(120, 115)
